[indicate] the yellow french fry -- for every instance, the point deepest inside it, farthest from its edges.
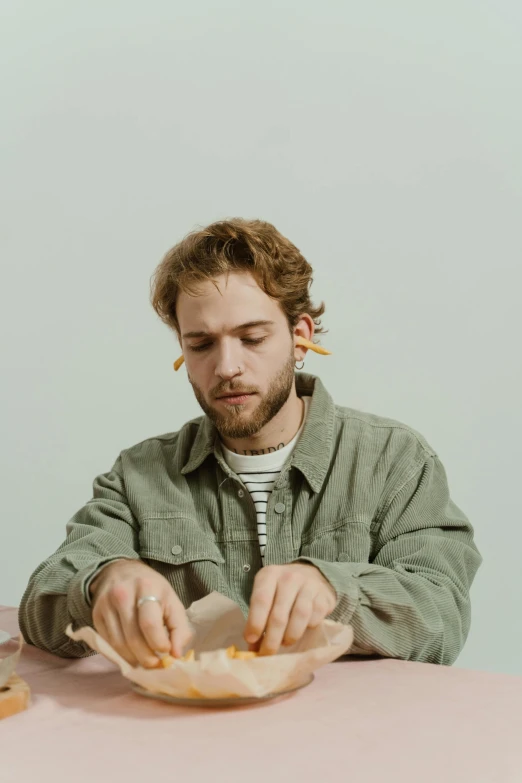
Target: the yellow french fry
(166, 661)
(232, 652)
(312, 346)
(298, 341)
(245, 655)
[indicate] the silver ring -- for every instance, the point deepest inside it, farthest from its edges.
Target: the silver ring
(146, 598)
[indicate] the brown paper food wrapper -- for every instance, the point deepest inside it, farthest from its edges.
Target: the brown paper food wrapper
(217, 623)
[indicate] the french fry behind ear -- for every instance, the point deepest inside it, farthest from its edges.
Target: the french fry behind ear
(312, 346)
(298, 341)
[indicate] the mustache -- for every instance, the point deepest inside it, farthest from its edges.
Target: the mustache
(222, 391)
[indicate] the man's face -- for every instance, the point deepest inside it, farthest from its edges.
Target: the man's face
(236, 340)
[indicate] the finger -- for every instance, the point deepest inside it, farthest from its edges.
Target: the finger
(322, 608)
(138, 646)
(110, 629)
(260, 604)
(300, 615)
(150, 621)
(288, 588)
(175, 618)
(123, 599)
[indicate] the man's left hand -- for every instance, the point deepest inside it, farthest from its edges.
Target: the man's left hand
(286, 600)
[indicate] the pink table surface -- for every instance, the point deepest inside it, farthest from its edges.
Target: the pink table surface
(360, 721)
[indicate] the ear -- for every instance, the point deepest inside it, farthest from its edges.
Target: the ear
(305, 329)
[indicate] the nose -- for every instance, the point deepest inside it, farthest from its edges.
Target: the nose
(228, 364)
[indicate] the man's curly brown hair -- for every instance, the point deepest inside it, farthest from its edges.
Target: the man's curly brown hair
(236, 245)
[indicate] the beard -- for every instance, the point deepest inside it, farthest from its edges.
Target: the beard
(235, 422)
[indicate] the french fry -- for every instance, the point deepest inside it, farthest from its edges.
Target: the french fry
(240, 655)
(245, 655)
(298, 341)
(166, 661)
(312, 346)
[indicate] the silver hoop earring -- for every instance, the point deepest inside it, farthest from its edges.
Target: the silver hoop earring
(299, 368)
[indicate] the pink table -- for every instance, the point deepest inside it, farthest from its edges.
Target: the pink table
(360, 721)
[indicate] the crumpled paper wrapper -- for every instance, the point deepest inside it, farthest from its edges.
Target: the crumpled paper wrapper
(218, 623)
(9, 664)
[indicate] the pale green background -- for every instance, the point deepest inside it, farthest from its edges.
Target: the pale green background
(384, 138)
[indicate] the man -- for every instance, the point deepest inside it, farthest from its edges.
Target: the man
(294, 507)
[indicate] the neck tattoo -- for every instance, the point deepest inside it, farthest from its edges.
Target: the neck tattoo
(256, 453)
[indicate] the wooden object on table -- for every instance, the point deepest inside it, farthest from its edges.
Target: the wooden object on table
(15, 696)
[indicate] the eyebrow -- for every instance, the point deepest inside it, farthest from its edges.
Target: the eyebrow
(248, 325)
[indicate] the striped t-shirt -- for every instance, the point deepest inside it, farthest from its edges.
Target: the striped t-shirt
(259, 473)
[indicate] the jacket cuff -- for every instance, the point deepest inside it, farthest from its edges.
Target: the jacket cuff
(343, 578)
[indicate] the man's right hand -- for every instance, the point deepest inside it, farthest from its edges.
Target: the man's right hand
(136, 633)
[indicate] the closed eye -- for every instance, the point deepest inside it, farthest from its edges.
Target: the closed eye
(200, 347)
(245, 340)
(253, 340)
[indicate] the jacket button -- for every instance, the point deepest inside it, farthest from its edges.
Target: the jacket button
(343, 557)
(246, 568)
(279, 508)
(177, 550)
(240, 493)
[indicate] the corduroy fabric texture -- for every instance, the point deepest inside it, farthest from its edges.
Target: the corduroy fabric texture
(363, 498)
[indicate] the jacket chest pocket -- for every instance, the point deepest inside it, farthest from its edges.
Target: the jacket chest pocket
(180, 551)
(347, 541)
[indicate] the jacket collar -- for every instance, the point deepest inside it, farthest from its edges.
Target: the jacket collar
(312, 452)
